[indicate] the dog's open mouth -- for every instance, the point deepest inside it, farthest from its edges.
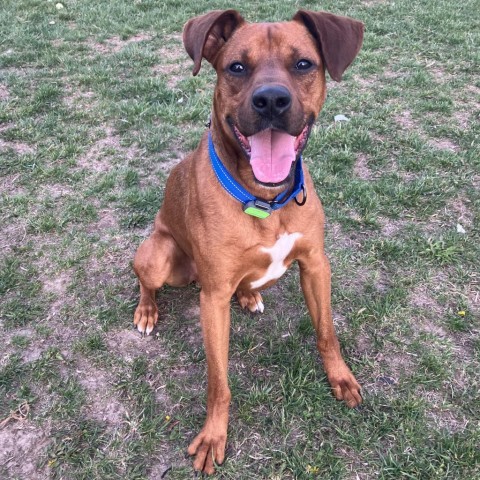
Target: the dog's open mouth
(272, 152)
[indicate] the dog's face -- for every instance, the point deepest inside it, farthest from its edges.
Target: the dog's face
(271, 80)
(278, 88)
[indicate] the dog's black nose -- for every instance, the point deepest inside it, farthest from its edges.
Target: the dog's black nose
(271, 101)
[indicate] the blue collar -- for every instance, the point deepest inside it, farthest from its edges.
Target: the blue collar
(252, 205)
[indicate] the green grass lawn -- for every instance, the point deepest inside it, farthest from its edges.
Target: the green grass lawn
(97, 103)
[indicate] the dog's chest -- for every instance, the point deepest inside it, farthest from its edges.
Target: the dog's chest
(278, 253)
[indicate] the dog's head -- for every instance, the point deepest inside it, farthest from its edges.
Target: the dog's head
(271, 79)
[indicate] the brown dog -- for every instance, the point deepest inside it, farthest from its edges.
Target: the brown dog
(270, 89)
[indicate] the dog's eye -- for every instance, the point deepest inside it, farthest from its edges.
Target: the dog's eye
(303, 64)
(236, 68)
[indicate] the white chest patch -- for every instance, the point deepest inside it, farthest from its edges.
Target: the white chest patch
(279, 252)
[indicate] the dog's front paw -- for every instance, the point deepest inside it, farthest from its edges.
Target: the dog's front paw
(251, 300)
(209, 449)
(344, 385)
(145, 318)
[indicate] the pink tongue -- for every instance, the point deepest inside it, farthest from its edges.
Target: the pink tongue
(271, 155)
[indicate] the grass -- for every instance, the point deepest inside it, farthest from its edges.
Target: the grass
(97, 103)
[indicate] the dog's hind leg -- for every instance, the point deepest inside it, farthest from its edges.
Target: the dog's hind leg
(158, 260)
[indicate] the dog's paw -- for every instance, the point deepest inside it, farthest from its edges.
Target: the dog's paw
(251, 300)
(344, 385)
(145, 318)
(209, 450)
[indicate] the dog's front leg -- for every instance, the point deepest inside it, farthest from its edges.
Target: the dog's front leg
(315, 281)
(209, 445)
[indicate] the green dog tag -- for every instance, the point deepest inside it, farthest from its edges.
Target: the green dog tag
(257, 208)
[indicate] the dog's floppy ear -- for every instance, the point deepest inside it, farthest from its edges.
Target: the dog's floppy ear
(204, 36)
(339, 38)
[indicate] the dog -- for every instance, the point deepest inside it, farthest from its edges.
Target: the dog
(242, 207)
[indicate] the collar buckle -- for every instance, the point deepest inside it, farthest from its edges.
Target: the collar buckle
(257, 208)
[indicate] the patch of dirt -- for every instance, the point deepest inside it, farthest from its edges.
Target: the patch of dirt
(193, 312)
(9, 348)
(361, 168)
(22, 444)
(387, 367)
(8, 185)
(33, 351)
(13, 235)
(420, 297)
(57, 191)
(176, 158)
(57, 285)
(472, 96)
(173, 62)
(459, 210)
(473, 89)
(107, 220)
(164, 162)
(22, 72)
(174, 70)
(174, 50)
(441, 414)
(444, 144)
(132, 344)
(405, 120)
(432, 314)
(116, 44)
(390, 227)
(438, 73)
(378, 138)
(338, 242)
(5, 126)
(79, 99)
(374, 3)
(102, 404)
(19, 148)
(335, 236)
(447, 419)
(394, 365)
(428, 326)
(161, 469)
(113, 265)
(332, 85)
(4, 93)
(462, 118)
(58, 42)
(98, 156)
(366, 83)
(393, 74)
